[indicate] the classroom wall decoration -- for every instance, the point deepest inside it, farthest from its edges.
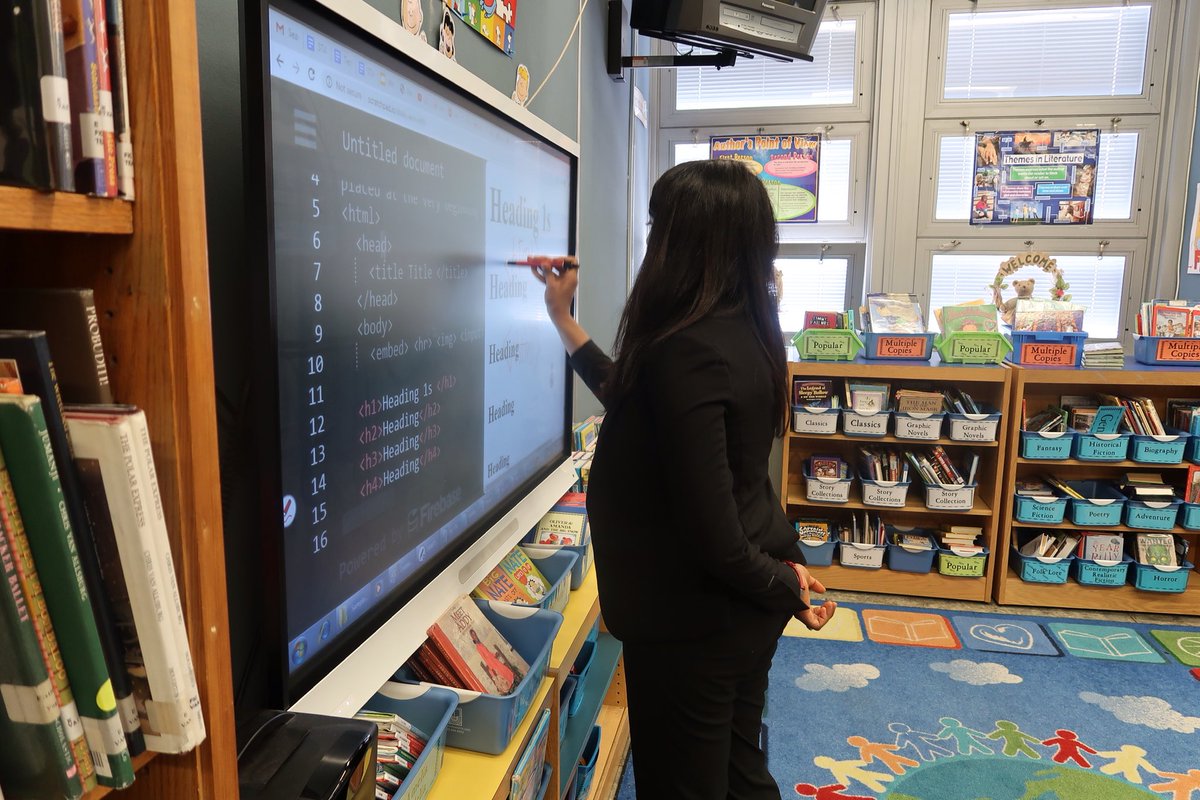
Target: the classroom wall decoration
(787, 164)
(1035, 177)
(494, 20)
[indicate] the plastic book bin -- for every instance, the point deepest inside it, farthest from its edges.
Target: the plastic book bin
(1159, 449)
(1193, 450)
(579, 569)
(819, 554)
(1189, 516)
(1152, 515)
(1103, 506)
(1040, 569)
(885, 494)
(580, 669)
(897, 346)
(957, 564)
(973, 347)
(949, 496)
(556, 567)
(484, 723)
(1101, 446)
(861, 556)
(1166, 351)
(1047, 446)
(1102, 573)
(1152, 578)
(815, 420)
(1042, 510)
(827, 490)
(544, 789)
(981, 427)
(1048, 348)
(565, 696)
(430, 709)
(572, 785)
(903, 558)
(827, 344)
(922, 427)
(587, 764)
(856, 423)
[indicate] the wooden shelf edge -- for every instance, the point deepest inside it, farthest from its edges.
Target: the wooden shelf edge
(582, 611)
(891, 438)
(63, 212)
(614, 751)
(889, 581)
(1127, 599)
(600, 675)
(795, 497)
(1051, 463)
(139, 761)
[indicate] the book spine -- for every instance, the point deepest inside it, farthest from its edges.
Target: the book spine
(454, 659)
(104, 97)
(55, 94)
(36, 758)
(87, 132)
(122, 128)
(438, 669)
(12, 531)
(35, 478)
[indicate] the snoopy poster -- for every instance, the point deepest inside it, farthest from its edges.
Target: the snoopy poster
(1034, 177)
(494, 20)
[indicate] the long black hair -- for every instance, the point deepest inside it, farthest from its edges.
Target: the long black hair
(711, 248)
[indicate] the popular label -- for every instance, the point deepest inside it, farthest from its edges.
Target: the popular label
(1178, 350)
(962, 566)
(825, 346)
(1049, 354)
(915, 347)
(986, 348)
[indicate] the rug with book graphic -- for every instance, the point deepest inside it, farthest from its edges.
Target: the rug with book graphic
(926, 704)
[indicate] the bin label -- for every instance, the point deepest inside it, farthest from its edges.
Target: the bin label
(902, 347)
(1049, 354)
(1178, 350)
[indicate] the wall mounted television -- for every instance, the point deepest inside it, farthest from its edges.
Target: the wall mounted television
(415, 420)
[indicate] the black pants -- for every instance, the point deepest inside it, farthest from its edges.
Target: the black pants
(695, 711)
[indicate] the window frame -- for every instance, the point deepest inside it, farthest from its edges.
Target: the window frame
(1150, 101)
(854, 228)
(1147, 128)
(855, 254)
(864, 14)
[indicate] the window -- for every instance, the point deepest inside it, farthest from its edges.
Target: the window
(1098, 283)
(811, 284)
(1046, 52)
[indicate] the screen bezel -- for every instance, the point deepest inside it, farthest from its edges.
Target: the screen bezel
(351, 19)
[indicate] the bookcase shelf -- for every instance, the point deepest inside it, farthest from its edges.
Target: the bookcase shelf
(63, 212)
(990, 385)
(139, 762)
(1039, 387)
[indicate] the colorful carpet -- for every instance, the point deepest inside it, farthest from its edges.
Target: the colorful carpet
(921, 704)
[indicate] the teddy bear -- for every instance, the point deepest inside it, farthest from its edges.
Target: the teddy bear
(1008, 308)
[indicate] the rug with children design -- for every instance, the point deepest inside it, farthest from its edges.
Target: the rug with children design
(923, 704)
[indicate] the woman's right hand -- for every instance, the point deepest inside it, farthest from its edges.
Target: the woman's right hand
(813, 617)
(560, 274)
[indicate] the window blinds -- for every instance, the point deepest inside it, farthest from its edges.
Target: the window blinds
(810, 284)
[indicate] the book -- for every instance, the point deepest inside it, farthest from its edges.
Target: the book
(565, 524)
(10, 378)
(527, 774)
(823, 319)
(867, 398)
(15, 541)
(168, 699)
(119, 68)
(968, 318)
(915, 401)
(25, 442)
(477, 652)
(35, 114)
(85, 37)
(30, 351)
(893, 313)
(813, 530)
(1034, 487)
(1172, 321)
(1191, 485)
(812, 393)
(35, 759)
(1102, 547)
(823, 466)
(1156, 549)
(516, 579)
(1047, 315)
(72, 326)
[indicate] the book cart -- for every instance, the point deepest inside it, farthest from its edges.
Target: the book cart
(1041, 387)
(988, 384)
(147, 263)
(600, 700)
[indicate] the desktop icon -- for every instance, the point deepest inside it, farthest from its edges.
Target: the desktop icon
(299, 651)
(325, 628)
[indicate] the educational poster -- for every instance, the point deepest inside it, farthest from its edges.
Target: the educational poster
(788, 166)
(1035, 177)
(495, 20)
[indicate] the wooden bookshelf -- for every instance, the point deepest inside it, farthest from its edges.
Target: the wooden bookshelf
(152, 293)
(1040, 387)
(989, 384)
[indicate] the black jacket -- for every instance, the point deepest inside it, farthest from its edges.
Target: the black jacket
(689, 534)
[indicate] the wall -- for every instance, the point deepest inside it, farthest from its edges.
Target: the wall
(586, 106)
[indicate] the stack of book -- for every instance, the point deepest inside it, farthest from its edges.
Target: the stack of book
(1051, 545)
(867, 398)
(516, 579)
(1103, 355)
(937, 467)
(1169, 318)
(1047, 315)
(565, 524)
(1184, 415)
(892, 313)
(399, 746)
(883, 464)
(1140, 415)
(958, 401)
(1050, 420)
(466, 651)
(1146, 487)
(869, 530)
(917, 401)
(828, 320)
(967, 318)
(1092, 414)
(962, 538)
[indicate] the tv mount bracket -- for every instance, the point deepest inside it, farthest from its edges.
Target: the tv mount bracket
(618, 30)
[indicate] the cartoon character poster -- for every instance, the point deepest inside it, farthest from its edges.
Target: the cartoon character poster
(495, 20)
(787, 164)
(1035, 177)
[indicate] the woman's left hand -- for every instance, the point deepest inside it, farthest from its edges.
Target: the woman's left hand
(813, 617)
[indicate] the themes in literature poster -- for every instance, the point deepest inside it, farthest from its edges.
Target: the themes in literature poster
(495, 20)
(1035, 177)
(787, 164)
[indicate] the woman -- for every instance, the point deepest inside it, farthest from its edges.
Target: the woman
(698, 567)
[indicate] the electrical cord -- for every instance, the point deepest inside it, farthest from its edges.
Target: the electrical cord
(558, 61)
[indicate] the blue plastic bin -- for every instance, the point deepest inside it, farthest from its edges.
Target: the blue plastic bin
(884, 494)
(1039, 510)
(897, 346)
(1189, 516)
(1166, 351)
(544, 789)
(903, 559)
(485, 723)
(1161, 579)
(583, 563)
(919, 427)
(981, 427)
(1102, 573)
(580, 669)
(566, 696)
(1104, 505)
(587, 764)
(1151, 449)
(1193, 450)
(1101, 446)
(866, 425)
(828, 490)
(1047, 348)
(556, 566)
(1047, 446)
(1156, 516)
(819, 554)
(815, 420)
(430, 708)
(1039, 569)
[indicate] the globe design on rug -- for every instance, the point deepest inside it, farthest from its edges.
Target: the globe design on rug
(1009, 779)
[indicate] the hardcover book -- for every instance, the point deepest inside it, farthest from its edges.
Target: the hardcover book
(895, 313)
(85, 36)
(565, 524)
(811, 393)
(1102, 547)
(477, 652)
(969, 318)
(122, 129)
(527, 774)
(72, 326)
(1156, 549)
(516, 579)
